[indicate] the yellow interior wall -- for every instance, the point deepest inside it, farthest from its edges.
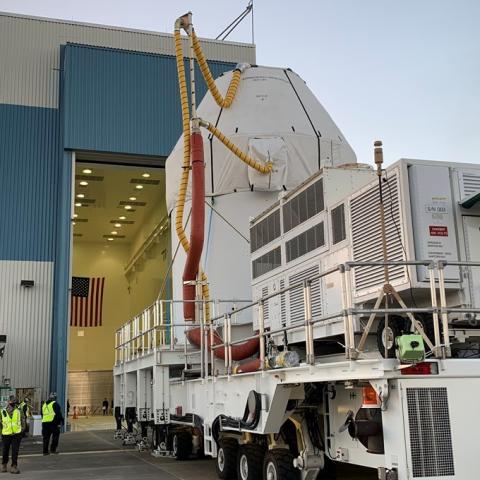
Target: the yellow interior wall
(95, 349)
(124, 296)
(148, 276)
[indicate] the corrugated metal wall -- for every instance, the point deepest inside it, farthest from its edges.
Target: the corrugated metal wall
(30, 53)
(29, 162)
(118, 101)
(26, 319)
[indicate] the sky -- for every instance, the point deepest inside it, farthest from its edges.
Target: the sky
(403, 71)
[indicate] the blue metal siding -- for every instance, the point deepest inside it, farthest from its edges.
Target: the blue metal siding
(120, 101)
(29, 163)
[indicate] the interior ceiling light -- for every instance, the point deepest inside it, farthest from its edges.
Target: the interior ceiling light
(73, 223)
(118, 225)
(145, 175)
(83, 183)
(80, 195)
(110, 239)
(139, 187)
(123, 217)
(75, 215)
(87, 170)
(128, 207)
(113, 232)
(78, 204)
(132, 198)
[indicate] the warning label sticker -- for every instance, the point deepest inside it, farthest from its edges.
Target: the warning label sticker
(438, 231)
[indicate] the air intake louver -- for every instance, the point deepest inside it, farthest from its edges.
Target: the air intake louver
(430, 433)
(265, 306)
(297, 311)
(470, 184)
(366, 233)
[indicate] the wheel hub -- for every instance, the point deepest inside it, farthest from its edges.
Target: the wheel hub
(271, 471)
(221, 460)
(387, 338)
(243, 467)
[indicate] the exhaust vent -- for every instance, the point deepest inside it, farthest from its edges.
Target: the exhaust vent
(366, 234)
(297, 310)
(430, 433)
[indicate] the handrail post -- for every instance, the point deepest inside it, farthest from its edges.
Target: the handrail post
(345, 312)
(172, 331)
(229, 326)
(261, 332)
(436, 326)
(307, 305)
(225, 341)
(349, 299)
(202, 326)
(443, 306)
(161, 323)
(212, 352)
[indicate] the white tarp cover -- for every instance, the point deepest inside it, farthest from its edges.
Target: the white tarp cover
(270, 103)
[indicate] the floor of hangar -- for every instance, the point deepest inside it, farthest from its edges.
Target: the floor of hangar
(96, 455)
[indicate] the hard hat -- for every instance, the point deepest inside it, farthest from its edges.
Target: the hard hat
(26, 400)
(53, 395)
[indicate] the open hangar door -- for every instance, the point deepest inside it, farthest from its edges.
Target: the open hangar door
(120, 257)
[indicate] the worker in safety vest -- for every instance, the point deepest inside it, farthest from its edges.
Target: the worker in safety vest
(13, 424)
(26, 409)
(52, 418)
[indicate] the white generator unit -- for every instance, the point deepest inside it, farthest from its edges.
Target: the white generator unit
(333, 217)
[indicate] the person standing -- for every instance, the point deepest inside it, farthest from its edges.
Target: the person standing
(52, 419)
(26, 409)
(105, 406)
(13, 424)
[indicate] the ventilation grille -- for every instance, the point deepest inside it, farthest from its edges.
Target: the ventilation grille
(145, 181)
(366, 233)
(283, 305)
(265, 304)
(430, 433)
(471, 184)
(297, 310)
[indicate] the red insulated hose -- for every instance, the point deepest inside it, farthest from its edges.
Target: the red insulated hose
(239, 352)
(190, 271)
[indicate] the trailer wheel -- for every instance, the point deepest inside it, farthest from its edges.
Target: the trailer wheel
(250, 462)
(278, 465)
(181, 445)
(226, 461)
(387, 336)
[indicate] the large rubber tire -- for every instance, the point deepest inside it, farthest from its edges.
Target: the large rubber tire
(396, 326)
(278, 465)
(250, 462)
(181, 445)
(226, 461)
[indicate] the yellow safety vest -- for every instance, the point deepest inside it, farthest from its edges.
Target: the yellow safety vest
(11, 424)
(28, 413)
(48, 414)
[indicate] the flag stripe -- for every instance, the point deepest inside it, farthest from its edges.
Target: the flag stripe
(86, 302)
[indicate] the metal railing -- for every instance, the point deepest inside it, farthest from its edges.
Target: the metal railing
(139, 336)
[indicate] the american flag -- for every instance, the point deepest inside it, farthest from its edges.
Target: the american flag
(86, 302)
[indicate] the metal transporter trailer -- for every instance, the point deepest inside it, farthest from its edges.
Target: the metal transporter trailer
(324, 388)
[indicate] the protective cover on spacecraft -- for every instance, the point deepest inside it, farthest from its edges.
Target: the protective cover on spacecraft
(274, 117)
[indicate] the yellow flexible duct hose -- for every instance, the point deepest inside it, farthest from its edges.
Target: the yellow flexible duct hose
(202, 63)
(251, 162)
(182, 191)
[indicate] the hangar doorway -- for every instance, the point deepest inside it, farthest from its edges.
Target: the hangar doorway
(120, 258)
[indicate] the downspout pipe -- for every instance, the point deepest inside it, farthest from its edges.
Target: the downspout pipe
(197, 225)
